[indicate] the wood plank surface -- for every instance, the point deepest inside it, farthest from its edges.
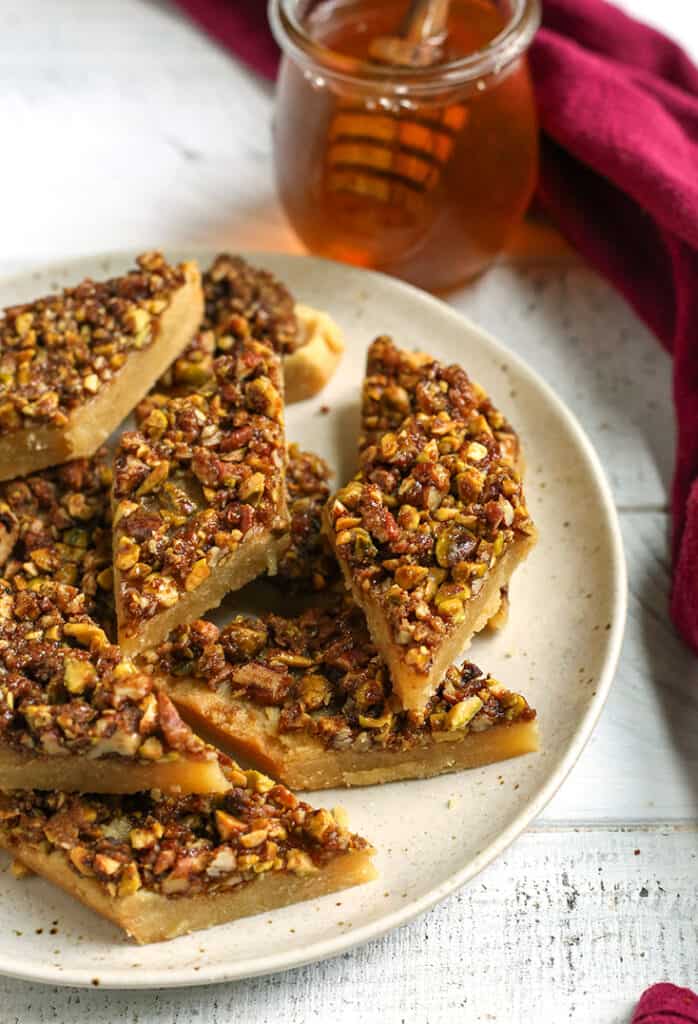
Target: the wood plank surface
(568, 926)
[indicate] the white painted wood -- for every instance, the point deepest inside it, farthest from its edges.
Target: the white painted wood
(123, 126)
(583, 338)
(642, 761)
(567, 927)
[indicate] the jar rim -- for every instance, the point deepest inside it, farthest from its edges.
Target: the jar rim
(494, 57)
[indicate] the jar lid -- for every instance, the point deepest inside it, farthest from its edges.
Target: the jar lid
(287, 22)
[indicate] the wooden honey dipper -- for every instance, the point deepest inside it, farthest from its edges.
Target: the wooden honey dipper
(395, 156)
(421, 40)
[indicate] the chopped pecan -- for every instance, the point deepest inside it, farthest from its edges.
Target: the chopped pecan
(65, 689)
(178, 846)
(324, 674)
(59, 351)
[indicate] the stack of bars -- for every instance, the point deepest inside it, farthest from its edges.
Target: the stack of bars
(110, 554)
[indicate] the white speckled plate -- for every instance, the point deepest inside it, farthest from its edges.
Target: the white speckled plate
(560, 648)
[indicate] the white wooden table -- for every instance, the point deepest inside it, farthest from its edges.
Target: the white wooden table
(122, 126)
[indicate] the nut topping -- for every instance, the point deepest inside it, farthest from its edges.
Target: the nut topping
(323, 673)
(308, 564)
(201, 475)
(178, 847)
(437, 501)
(399, 384)
(233, 289)
(57, 525)
(65, 689)
(58, 352)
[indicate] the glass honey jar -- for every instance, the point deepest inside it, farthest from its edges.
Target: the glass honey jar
(421, 172)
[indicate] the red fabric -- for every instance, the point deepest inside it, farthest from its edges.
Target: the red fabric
(241, 26)
(618, 105)
(667, 1004)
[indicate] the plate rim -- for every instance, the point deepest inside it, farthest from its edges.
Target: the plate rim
(125, 978)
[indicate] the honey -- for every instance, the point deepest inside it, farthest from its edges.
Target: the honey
(418, 172)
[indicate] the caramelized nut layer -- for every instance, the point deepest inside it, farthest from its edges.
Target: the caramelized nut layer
(203, 472)
(240, 302)
(308, 564)
(399, 384)
(321, 674)
(179, 847)
(435, 505)
(56, 525)
(233, 288)
(58, 352)
(65, 689)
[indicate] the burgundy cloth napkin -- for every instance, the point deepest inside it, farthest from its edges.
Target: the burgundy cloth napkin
(241, 26)
(618, 105)
(667, 1004)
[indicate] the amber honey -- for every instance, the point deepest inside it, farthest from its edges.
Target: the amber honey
(419, 173)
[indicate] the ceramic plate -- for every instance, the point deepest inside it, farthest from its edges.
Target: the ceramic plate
(560, 649)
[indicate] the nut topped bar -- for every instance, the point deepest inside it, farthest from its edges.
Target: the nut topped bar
(239, 299)
(399, 384)
(428, 533)
(160, 867)
(56, 525)
(234, 289)
(310, 700)
(76, 715)
(308, 565)
(199, 497)
(72, 365)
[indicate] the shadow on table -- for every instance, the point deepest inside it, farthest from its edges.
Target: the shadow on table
(258, 226)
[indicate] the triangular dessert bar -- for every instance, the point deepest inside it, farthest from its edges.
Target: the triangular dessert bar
(432, 527)
(76, 715)
(199, 495)
(160, 867)
(309, 700)
(73, 365)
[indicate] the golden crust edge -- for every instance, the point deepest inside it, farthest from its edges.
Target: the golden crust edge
(308, 369)
(117, 775)
(147, 916)
(260, 551)
(306, 764)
